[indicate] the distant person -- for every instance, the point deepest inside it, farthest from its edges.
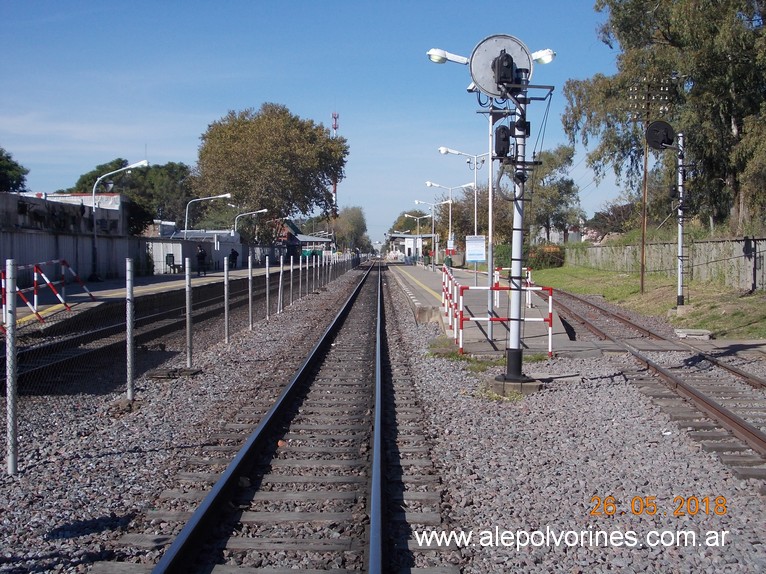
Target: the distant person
(201, 261)
(233, 254)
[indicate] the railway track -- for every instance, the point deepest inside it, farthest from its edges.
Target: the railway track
(298, 491)
(48, 350)
(333, 471)
(722, 405)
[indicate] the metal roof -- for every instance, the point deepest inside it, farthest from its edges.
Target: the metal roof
(312, 239)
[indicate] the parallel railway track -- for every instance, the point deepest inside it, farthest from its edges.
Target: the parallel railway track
(47, 350)
(733, 400)
(306, 465)
(299, 491)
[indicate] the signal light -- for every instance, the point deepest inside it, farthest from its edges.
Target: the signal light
(504, 69)
(502, 141)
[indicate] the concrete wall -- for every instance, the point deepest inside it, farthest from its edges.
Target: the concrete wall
(64, 213)
(149, 254)
(28, 247)
(737, 263)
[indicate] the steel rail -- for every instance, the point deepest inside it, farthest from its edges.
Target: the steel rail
(739, 427)
(619, 317)
(178, 557)
(375, 557)
(745, 431)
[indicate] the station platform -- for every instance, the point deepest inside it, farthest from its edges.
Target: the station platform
(111, 290)
(424, 288)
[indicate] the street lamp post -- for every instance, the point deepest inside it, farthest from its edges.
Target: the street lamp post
(473, 165)
(432, 184)
(94, 263)
(434, 243)
(236, 219)
(186, 218)
(417, 219)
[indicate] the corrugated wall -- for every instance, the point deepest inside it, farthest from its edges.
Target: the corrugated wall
(28, 247)
(149, 254)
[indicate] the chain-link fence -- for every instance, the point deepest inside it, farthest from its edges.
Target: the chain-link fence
(86, 342)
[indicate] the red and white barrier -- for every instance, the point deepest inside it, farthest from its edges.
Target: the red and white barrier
(453, 302)
(527, 283)
(38, 272)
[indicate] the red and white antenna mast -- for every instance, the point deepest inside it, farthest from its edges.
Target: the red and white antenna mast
(335, 116)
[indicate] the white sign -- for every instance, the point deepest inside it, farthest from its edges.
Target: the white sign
(475, 249)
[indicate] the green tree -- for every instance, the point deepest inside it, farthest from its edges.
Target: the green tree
(13, 176)
(350, 228)
(127, 183)
(404, 223)
(715, 54)
(463, 215)
(554, 201)
(156, 192)
(270, 159)
(752, 155)
(166, 191)
(616, 217)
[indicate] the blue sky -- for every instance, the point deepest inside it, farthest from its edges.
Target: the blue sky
(86, 82)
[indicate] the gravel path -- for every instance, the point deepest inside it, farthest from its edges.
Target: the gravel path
(88, 466)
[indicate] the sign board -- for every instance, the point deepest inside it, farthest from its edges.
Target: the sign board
(475, 249)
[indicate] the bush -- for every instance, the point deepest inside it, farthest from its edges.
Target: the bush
(545, 256)
(502, 255)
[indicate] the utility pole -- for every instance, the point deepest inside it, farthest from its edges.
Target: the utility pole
(647, 98)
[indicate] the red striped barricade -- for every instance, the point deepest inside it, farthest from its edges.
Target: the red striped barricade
(449, 295)
(527, 282)
(37, 269)
(462, 317)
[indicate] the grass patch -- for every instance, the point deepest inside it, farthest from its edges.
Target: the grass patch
(728, 314)
(445, 348)
(484, 392)
(533, 358)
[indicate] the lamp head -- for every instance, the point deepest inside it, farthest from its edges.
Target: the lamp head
(444, 150)
(437, 56)
(142, 163)
(544, 56)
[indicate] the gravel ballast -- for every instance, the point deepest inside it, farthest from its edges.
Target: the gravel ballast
(529, 479)
(89, 466)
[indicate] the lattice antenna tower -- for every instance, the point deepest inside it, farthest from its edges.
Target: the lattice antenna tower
(335, 116)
